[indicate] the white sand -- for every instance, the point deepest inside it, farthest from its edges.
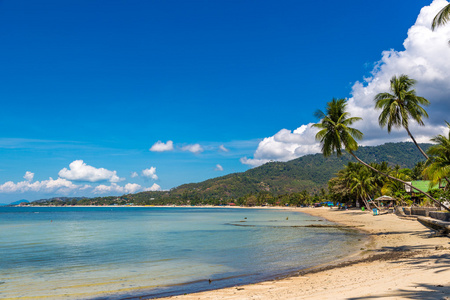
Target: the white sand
(406, 265)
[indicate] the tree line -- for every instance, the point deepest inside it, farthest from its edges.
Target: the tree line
(398, 106)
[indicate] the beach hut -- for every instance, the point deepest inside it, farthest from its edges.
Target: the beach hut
(383, 202)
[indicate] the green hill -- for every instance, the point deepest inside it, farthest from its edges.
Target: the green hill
(310, 172)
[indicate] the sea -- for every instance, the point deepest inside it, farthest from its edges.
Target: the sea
(148, 252)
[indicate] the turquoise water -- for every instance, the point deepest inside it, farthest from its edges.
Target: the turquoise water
(128, 252)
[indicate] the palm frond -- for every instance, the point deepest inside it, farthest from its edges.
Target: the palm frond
(442, 17)
(319, 114)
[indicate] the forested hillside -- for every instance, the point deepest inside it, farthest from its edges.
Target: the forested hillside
(296, 178)
(310, 173)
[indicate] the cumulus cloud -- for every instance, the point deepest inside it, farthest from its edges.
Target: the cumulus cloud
(103, 189)
(285, 145)
(134, 174)
(218, 168)
(154, 187)
(425, 58)
(51, 185)
(150, 173)
(115, 188)
(80, 171)
(65, 187)
(194, 148)
(222, 148)
(28, 176)
(162, 147)
(132, 188)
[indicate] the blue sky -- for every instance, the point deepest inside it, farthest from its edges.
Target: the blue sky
(103, 81)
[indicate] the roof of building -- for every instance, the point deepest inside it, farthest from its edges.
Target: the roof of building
(423, 185)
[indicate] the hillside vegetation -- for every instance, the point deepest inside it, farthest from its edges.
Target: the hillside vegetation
(310, 173)
(279, 181)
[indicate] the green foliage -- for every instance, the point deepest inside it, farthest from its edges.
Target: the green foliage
(294, 183)
(402, 104)
(335, 132)
(438, 164)
(442, 17)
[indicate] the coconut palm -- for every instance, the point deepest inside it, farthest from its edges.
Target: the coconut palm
(334, 128)
(403, 104)
(362, 183)
(335, 133)
(442, 17)
(438, 165)
(391, 187)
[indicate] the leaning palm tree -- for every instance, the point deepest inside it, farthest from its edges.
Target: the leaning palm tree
(442, 17)
(438, 165)
(403, 104)
(335, 133)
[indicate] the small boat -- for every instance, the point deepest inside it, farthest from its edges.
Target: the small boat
(441, 227)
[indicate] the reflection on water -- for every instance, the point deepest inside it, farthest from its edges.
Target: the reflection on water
(85, 253)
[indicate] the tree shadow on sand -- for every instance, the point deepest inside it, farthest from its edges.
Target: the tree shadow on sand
(439, 262)
(441, 290)
(431, 292)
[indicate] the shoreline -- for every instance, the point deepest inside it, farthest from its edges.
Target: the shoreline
(398, 261)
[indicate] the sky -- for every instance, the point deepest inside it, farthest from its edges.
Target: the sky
(114, 97)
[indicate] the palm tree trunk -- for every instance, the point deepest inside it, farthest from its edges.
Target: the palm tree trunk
(417, 145)
(366, 204)
(399, 180)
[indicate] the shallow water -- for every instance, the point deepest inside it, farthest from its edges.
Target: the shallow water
(116, 253)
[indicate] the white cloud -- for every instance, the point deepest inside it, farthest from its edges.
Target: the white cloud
(194, 148)
(115, 188)
(64, 186)
(285, 145)
(426, 58)
(131, 188)
(222, 148)
(218, 168)
(134, 174)
(80, 171)
(162, 147)
(154, 187)
(150, 173)
(28, 176)
(51, 185)
(103, 189)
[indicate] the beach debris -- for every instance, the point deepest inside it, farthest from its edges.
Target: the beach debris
(440, 247)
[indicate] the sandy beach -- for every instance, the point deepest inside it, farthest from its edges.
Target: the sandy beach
(399, 261)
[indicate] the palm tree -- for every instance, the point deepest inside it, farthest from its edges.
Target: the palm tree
(335, 134)
(438, 165)
(442, 17)
(391, 187)
(363, 184)
(401, 105)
